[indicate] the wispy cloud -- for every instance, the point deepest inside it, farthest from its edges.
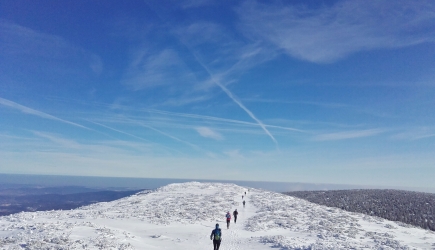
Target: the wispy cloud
(50, 144)
(186, 4)
(223, 57)
(415, 134)
(34, 112)
(214, 42)
(24, 44)
(329, 33)
(164, 68)
(426, 136)
(211, 33)
(221, 50)
(96, 64)
(332, 105)
(58, 140)
(321, 104)
(234, 153)
(185, 99)
(347, 135)
(209, 133)
(14, 137)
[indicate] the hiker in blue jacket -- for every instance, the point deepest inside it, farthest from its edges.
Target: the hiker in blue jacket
(216, 236)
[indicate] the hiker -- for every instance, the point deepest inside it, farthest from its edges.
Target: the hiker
(243, 203)
(228, 219)
(216, 236)
(235, 213)
(245, 192)
(242, 197)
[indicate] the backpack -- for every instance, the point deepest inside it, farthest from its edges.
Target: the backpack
(217, 234)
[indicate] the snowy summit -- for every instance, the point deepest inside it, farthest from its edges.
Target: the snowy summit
(182, 216)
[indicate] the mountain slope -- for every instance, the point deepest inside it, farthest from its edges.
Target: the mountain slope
(181, 216)
(415, 208)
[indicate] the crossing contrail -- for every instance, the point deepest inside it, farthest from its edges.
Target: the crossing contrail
(236, 100)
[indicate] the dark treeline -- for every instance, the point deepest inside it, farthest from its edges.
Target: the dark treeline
(413, 208)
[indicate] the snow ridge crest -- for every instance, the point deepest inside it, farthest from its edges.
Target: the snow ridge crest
(182, 215)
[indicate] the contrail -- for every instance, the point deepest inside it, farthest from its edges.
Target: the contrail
(134, 136)
(30, 111)
(119, 131)
(167, 135)
(237, 101)
(213, 118)
(246, 110)
(205, 117)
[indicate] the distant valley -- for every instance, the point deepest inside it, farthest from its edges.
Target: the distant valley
(28, 198)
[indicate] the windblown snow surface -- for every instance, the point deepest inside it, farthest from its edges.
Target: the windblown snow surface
(182, 216)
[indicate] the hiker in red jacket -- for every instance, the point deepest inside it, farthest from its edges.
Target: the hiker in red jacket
(228, 216)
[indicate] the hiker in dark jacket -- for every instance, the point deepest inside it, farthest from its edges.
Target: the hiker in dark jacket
(243, 203)
(216, 236)
(235, 213)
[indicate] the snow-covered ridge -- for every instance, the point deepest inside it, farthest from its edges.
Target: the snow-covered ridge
(181, 216)
(326, 228)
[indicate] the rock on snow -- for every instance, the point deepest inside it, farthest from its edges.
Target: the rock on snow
(181, 216)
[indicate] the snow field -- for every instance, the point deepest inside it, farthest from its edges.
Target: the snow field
(182, 216)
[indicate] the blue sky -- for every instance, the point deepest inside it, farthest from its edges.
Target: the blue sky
(301, 91)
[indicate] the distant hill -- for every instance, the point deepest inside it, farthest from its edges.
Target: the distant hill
(413, 208)
(25, 199)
